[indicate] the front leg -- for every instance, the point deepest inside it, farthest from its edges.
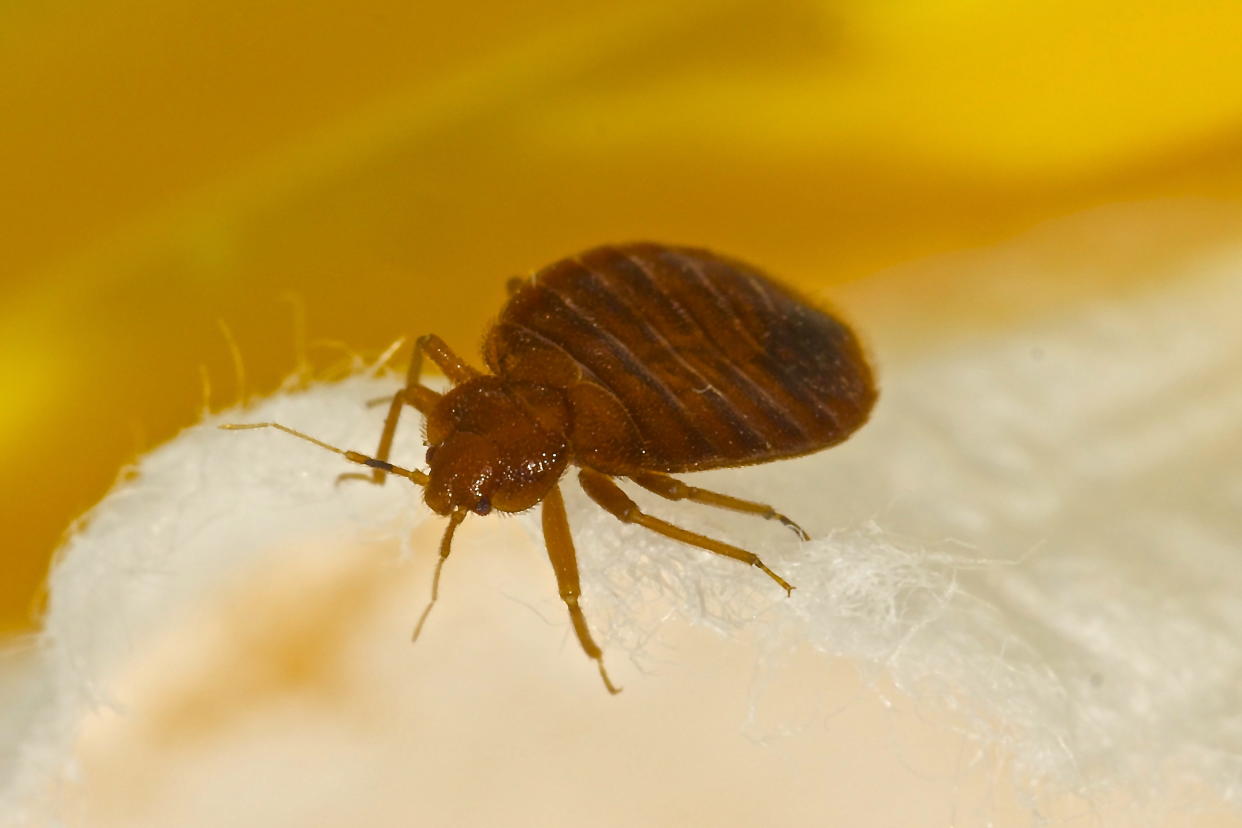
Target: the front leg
(565, 563)
(415, 394)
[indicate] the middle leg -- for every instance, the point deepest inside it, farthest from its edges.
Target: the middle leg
(601, 488)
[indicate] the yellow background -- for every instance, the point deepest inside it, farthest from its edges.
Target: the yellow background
(168, 165)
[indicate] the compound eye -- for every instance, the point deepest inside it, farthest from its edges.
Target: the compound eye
(431, 453)
(482, 506)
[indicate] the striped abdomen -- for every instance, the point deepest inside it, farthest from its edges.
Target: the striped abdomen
(709, 362)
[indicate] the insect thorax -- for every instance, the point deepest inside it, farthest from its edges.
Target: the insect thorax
(495, 445)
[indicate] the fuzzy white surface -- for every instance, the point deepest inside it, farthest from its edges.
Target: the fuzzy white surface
(1040, 532)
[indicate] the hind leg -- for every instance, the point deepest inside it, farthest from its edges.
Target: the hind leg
(674, 489)
(600, 488)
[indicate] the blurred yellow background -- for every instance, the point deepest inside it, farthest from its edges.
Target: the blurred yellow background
(169, 165)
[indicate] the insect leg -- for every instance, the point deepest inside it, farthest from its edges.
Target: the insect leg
(608, 494)
(674, 489)
(453, 366)
(415, 394)
(565, 563)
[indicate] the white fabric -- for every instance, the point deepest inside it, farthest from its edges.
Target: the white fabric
(1040, 532)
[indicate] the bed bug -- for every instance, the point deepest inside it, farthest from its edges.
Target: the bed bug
(631, 361)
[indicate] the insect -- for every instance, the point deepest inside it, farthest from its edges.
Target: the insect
(628, 361)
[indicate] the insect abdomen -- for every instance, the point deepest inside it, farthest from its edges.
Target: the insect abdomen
(714, 363)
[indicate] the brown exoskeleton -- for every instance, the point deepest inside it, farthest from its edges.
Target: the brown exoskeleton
(628, 361)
